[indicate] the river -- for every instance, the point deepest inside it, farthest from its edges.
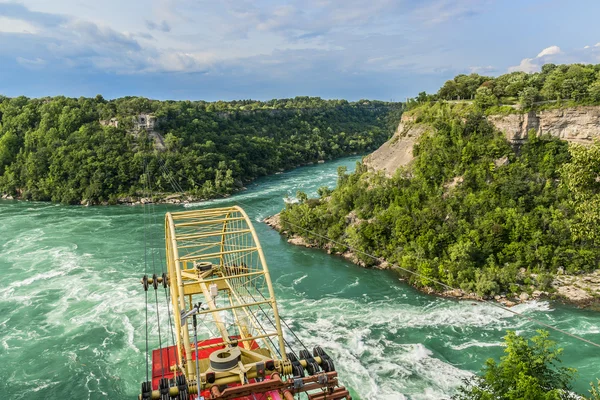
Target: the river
(72, 307)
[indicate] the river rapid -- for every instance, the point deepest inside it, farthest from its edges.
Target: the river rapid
(72, 308)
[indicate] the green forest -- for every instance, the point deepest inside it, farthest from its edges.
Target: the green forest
(553, 86)
(57, 149)
(472, 210)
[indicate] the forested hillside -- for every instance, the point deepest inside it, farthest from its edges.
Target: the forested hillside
(472, 210)
(57, 148)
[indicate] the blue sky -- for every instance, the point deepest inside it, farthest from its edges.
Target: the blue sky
(263, 49)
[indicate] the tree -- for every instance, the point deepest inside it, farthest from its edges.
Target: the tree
(301, 196)
(529, 370)
(581, 177)
(422, 97)
(323, 191)
(594, 90)
(9, 147)
(484, 98)
(528, 96)
(449, 91)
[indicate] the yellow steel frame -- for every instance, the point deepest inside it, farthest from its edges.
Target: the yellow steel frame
(224, 243)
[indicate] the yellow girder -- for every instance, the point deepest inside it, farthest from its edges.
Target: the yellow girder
(226, 239)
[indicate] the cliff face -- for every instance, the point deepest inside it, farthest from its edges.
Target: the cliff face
(397, 151)
(577, 124)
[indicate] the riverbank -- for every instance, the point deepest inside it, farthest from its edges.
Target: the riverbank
(168, 197)
(581, 290)
(157, 198)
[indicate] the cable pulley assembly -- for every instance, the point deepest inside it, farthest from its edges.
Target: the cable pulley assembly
(182, 386)
(146, 390)
(297, 370)
(154, 281)
(163, 387)
(311, 364)
(326, 361)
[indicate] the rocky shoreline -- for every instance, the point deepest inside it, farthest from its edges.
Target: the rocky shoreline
(159, 198)
(580, 290)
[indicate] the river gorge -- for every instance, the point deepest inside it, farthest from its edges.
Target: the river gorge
(72, 306)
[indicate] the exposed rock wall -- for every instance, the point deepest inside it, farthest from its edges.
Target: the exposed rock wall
(576, 124)
(397, 151)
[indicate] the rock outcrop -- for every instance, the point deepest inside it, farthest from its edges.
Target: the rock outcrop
(576, 124)
(582, 290)
(397, 151)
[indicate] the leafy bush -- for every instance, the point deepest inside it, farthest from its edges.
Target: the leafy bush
(529, 370)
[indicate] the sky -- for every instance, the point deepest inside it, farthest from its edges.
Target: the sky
(264, 49)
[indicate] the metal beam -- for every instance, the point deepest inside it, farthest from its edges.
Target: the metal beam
(218, 254)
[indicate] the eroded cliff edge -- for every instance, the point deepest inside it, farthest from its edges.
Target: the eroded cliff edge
(575, 124)
(398, 151)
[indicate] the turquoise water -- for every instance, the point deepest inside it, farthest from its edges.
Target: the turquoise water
(72, 308)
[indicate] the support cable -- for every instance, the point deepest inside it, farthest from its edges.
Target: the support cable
(155, 283)
(163, 270)
(282, 320)
(145, 289)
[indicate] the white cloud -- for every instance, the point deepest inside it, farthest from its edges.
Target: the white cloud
(482, 69)
(549, 51)
(554, 54)
(172, 61)
(35, 63)
(162, 26)
(440, 11)
(11, 25)
(534, 64)
(527, 65)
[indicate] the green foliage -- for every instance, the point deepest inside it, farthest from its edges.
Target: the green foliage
(529, 370)
(595, 391)
(462, 87)
(577, 82)
(484, 98)
(56, 148)
(581, 177)
(528, 96)
(470, 211)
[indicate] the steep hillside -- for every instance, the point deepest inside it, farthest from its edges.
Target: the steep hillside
(470, 209)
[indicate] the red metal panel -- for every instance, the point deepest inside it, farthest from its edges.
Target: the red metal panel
(162, 365)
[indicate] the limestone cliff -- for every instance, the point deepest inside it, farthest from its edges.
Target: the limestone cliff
(397, 151)
(576, 124)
